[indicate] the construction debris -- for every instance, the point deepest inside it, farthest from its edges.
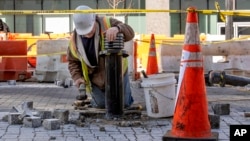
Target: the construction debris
(247, 114)
(52, 120)
(221, 109)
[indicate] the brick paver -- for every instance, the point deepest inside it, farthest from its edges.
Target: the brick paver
(48, 96)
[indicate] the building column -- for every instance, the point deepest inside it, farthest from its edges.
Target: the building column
(158, 23)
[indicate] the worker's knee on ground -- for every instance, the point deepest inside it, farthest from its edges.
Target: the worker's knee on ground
(97, 104)
(99, 101)
(128, 100)
(98, 96)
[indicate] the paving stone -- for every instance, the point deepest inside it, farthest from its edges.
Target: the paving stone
(62, 115)
(229, 120)
(29, 135)
(42, 139)
(118, 136)
(68, 82)
(74, 117)
(5, 118)
(105, 138)
(11, 82)
(50, 95)
(90, 139)
(136, 84)
(42, 134)
(13, 129)
(51, 124)
(214, 121)
(221, 109)
(28, 104)
(45, 114)
(33, 122)
(4, 125)
(13, 118)
(25, 139)
(74, 139)
(58, 82)
(223, 136)
(70, 134)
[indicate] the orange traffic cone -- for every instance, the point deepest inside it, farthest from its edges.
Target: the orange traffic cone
(136, 75)
(190, 121)
(152, 67)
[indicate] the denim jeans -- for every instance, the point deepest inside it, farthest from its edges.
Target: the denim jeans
(98, 95)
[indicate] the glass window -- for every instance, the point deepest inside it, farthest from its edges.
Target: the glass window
(243, 30)
(221, 30)
(242, 4)
(54, 4)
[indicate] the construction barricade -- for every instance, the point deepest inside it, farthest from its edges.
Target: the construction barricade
(51, 65)
(13, 60)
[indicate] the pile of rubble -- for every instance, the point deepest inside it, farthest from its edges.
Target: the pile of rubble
(53, 119)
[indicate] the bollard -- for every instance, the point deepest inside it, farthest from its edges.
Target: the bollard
(114, 54)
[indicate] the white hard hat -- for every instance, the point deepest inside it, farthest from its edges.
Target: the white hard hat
(84, 22)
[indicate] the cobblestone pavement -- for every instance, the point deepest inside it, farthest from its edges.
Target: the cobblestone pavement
(48, 96)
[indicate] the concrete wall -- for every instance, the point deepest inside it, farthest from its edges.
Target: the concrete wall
(157, 23)
(237, 56)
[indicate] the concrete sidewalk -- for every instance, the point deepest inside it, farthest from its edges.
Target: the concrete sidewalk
(48, 96)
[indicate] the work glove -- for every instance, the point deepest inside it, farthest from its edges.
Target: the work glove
(79, 81)
(82, 92)
(80, 84)
(111, 33)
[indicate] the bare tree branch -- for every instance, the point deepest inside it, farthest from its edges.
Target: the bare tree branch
(115, 3)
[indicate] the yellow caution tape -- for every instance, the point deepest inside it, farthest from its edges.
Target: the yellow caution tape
(100, 11)
(222, 17)
(218, 11)
(222, 13)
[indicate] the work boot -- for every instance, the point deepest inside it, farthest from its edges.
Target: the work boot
(134, 107)
(81, 103)
(81, 97)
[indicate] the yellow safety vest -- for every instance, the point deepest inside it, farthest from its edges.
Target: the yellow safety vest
(106, 24)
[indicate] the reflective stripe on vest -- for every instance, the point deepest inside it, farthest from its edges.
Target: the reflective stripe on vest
(106, 25)
(84, 68)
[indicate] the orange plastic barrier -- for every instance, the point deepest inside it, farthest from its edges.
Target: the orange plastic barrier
(31, 43)
(13, 67)
(136, 74)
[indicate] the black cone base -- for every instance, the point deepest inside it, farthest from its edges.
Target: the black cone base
(169, 137)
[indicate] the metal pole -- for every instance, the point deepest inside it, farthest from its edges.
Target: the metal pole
(114, 93)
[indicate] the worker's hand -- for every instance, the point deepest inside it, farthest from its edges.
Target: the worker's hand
(79, 81)
(111, 33)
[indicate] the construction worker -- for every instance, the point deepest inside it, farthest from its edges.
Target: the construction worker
(4, 27)
(85, 65)
(4, 30)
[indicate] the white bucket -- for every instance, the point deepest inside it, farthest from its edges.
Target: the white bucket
(159, 90)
